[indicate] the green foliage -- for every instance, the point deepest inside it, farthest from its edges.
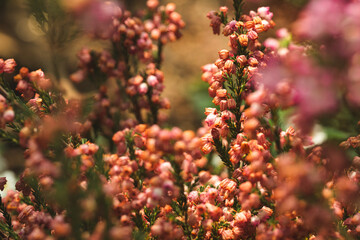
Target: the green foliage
(39, 201)
(238, 5)
(180, 206)
(224, 155)
(6, 228)
(54, 21)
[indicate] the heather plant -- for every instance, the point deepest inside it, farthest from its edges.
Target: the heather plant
(105, 167)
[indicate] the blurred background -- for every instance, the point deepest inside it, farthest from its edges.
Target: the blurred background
(21, 39)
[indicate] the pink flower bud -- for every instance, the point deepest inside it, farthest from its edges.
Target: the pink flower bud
(207, 148)
(246, 187)
(249, 24)
(152, 80)
(229, 66)
(241, 218)
(169, 8)
(2, 63)
(223, 105)
(214, 211)
(242, 60)
(224, 54)
(228, 185)
(175, 17)
(215, 133)
(9, 65)
(143, 88)
(233, 41)
(152, 4)
(221, 93)
(224, 10)
(219, 63)
(78, 76)
(253, 62)
(210, 110)
(2, 183)
(9, 115)
(231, 103)
(259, 28)
(282, 33)
(243, 39)
(265, 213)
(252, 35)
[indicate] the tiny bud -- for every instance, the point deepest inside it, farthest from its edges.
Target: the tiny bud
(143, 88)
(237, 173)
(252, 35)
(224, 10)
(255, 220)
(155, 34)
(243, 39)
(246, 187)
(207, 148)
(24, 72)
(219, 63)
(2, 183)
(216, 100)
(152, 80)
(253, 62)
(26, 212)
(259, 28)
(136, 80)
(131, 90)
(251, 124)
(9, 115)
(265, 213)
(231, 103)
(152, 4)
(242, 60)
(224, 54)
(229, 64)
(223, 105)
(249, 24)
(215, 133)
(9, 65)
(221, 93)
(257, 19)
(210, 111)
(212, 92)
(170, 7)
(233, 40)
(78, 76)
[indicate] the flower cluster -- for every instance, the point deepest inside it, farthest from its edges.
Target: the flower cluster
(104, 167)
(136, 40)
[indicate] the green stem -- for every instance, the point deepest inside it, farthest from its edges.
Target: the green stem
(238, 4)
(159, 53)
(224, 155)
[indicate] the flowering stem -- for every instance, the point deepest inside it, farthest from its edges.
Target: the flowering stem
(138, 182)
(137, 110)
(9, 228)
(238, 4)
(159, 53)
(276, 130)
(120, 49)
(39, 200)
(153, 107)
(16, 100)
(182, 199)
